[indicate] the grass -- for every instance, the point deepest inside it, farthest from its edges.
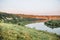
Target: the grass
(17, 32)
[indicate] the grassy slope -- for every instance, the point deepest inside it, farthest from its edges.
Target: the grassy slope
(14, 19)
(15, 32)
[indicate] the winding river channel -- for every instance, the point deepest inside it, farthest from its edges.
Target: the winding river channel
(41, 26)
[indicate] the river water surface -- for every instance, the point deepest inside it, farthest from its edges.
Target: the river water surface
(41, 26)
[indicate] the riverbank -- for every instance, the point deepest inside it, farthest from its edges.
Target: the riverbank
(42, 26)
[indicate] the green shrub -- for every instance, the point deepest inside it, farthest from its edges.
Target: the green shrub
(53, 23)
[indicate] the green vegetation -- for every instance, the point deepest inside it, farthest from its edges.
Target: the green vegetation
(12, 28)
(14, 19)
(16, 32)
(53, 23)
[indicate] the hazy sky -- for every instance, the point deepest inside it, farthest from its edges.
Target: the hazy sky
(39, 7)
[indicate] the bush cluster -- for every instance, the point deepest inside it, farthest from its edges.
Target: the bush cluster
(53, 23)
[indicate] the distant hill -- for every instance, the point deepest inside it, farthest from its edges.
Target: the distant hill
(41, 17)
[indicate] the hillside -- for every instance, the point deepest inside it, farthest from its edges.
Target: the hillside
(16, 32)
(14, 19)
(41, 17)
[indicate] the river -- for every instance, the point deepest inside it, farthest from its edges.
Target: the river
(41, 26)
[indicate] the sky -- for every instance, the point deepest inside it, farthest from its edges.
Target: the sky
(34, 7)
